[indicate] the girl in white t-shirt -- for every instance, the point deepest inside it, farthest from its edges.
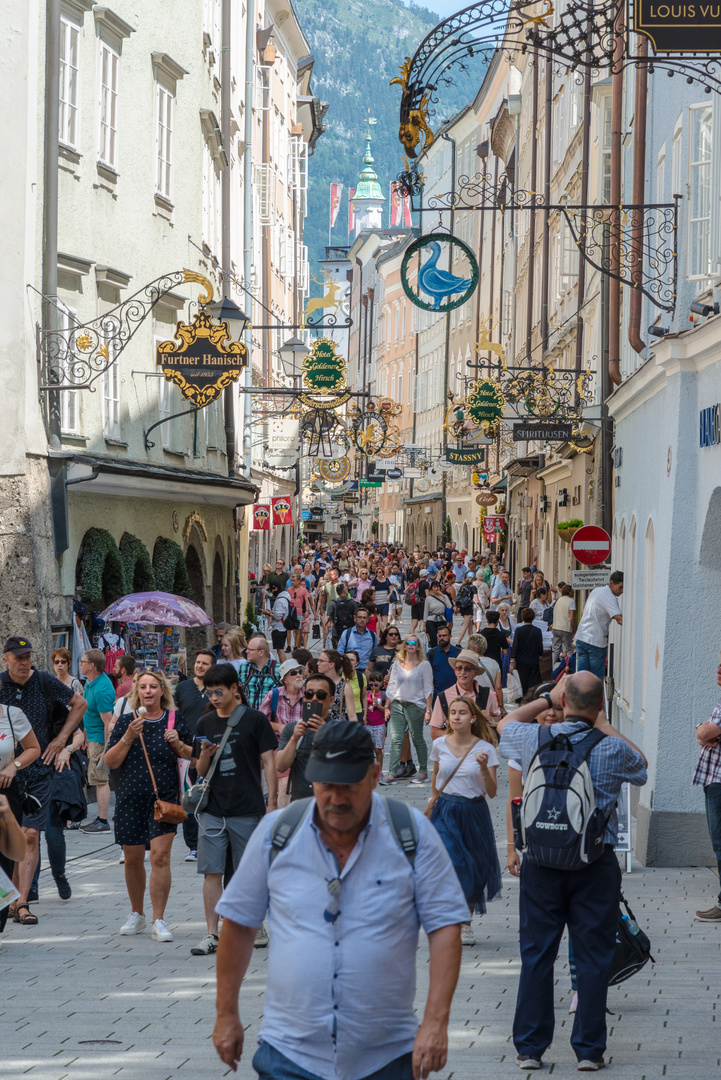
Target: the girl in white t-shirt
(464, 775)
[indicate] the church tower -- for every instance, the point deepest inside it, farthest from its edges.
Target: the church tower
(368, 199)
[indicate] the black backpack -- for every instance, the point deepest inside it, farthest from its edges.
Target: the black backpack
(633, 949)
(344, 613)
(291, 621)
(481, 699)
(464, 596)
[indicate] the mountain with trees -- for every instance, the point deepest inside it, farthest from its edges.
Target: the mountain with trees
(358, 48)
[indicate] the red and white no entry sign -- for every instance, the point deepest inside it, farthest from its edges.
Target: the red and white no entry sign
(591, 545)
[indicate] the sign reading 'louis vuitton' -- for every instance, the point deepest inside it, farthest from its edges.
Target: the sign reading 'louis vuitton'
(677, 28)
(202, 359)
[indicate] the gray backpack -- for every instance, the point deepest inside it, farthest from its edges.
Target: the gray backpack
(400, 820)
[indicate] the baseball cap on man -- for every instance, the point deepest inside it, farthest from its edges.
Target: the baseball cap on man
(423, 573)
(17, 645)
(342, 753)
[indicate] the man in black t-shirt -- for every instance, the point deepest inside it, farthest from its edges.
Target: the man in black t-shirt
(235, 804)
(497, 640)
(296, 740)
(54, 711)
(191, 699)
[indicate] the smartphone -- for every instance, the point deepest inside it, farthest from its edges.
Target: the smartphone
(311, 708)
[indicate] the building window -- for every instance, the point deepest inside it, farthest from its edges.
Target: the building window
(108, 147)
(676, 158)
(69, 399)
(661, 174)
(69, 49)
(699, 175)
(606, 159)
(170, 404)
(164, 142)
(111, 401)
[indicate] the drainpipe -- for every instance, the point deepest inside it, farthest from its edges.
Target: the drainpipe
(532, 223)
(359, 264)
(247, 227)
(50, 199)
(637, 198)
(585, 153)
(444, 488)
(614, 286)
(545, 251)
(230, 391)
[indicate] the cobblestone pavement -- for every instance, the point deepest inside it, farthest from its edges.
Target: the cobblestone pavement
(80, 1002)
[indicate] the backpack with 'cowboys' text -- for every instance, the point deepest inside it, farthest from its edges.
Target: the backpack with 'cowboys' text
(560, 825)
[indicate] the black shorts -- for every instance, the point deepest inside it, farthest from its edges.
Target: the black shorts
(382, 609)
(278, 637)
(417, 611)
(40, 785)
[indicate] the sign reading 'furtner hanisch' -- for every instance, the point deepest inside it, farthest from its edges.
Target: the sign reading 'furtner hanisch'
(202, 359)
(687, 27)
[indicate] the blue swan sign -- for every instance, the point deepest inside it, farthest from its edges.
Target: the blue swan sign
(429, 285)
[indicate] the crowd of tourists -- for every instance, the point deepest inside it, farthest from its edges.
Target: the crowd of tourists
(265, 724)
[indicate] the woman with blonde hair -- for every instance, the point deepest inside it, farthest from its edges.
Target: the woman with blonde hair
(464, 776)
(150, 725)
(408, 700)
(232, 648)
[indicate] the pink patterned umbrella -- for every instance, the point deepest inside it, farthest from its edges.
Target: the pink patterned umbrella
(159, 608)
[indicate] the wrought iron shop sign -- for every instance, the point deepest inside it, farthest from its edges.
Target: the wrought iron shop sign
(678, 28)
(464, 455)
(324, 377)
(541, 432)
(202, 359)
(447, 277)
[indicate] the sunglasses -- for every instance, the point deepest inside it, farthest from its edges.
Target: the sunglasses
(218, 692)
(148, 670)
(298, 672)
(332, 912)
(319, 695)
(411, 641)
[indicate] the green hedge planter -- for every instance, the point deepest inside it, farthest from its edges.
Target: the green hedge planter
(171, 573)
(102, 574)
(139, 575)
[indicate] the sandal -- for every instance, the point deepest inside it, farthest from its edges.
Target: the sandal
(28, 919)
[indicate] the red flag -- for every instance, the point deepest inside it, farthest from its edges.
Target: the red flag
(282, 510)
(336, 191)
(351, 211)
(395, 205)
(261, 517)
(407, 210)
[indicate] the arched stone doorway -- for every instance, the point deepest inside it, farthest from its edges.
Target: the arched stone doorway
(195, 638)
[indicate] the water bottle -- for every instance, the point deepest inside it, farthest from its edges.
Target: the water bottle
(631, 924)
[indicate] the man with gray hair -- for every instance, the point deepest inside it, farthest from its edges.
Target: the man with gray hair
(259, 673)
(586, 899)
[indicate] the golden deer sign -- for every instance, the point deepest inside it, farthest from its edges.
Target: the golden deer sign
(331, 299)
(484, 343)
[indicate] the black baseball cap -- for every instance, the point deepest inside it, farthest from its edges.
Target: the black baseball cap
(342, 753)
(18, 645)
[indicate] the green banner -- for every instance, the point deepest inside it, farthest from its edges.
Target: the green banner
(371, 483)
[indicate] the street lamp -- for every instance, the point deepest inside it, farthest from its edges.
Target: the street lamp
(291, 353)
(227, 311)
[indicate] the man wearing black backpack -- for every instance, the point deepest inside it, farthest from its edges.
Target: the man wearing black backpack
(341, 612)
(570, 874)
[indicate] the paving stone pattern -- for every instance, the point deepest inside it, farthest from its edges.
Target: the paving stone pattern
(79, 1002)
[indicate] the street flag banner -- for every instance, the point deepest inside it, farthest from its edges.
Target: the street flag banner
(261, 517)
(336, 191)
(351, 212)
(282, 510)
(400, 207)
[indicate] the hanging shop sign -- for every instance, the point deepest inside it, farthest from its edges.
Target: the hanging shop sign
(541, 432)
(368, 431)
(202, 359)
(423, 485)
(486, 498)
(282, 510)
(485, 403)
(465, 455)
(678, 28)
(261, 517)
(324, 377)
(334, 469)
(494, 522)
(709, 428)
(446, 278)
(283, 435)
(371, 483)
(394, 474)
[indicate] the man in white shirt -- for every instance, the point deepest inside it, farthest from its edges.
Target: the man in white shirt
(592, 635)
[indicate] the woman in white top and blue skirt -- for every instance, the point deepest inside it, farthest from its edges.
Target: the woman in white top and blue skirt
(464, 775)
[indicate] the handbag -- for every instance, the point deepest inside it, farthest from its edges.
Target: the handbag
(170, 813)
(195, 799)
(633, 948)
(432, 801)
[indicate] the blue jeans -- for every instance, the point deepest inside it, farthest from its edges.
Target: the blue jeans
(591, 658)
(586, 901)
(712, 795)
(270, 1064)
(55, 839)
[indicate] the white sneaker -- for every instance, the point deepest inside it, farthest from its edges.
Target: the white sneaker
(161, 932)
(261, 938)
(122, 858)
(574, 1002)
(135, 924)
(192, 856)
(467, 935)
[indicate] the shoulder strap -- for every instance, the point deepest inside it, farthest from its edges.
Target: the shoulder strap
(447, 781)
(589, 741)
(431, 655)
(233, 721)
(361, 681)
(286, 825)
(403, 827)
(444, 703)
(171, 719)
(274, 696)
